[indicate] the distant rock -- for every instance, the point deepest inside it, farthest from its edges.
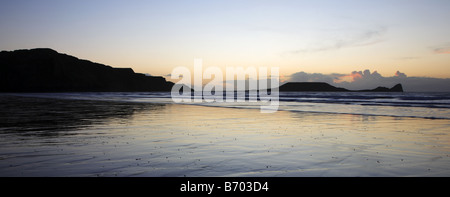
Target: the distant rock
(45, 70)
(325, 87)
(310, 87)
(396, 88)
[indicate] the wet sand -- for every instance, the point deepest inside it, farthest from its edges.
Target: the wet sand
(51, 137)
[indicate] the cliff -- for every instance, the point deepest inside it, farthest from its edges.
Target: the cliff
(45, 70)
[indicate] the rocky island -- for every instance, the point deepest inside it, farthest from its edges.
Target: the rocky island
(325, 87)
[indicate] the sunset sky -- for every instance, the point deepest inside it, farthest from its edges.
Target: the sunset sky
(410, 36)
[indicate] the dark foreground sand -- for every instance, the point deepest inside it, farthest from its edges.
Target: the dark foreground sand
(50, 137)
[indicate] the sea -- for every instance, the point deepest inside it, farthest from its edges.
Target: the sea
(429, 105)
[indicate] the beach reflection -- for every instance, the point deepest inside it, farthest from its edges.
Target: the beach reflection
(87, 138)
(43, 117)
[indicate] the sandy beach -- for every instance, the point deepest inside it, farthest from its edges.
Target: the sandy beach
(51, 137)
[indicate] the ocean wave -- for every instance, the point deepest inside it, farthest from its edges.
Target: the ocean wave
(416, 105)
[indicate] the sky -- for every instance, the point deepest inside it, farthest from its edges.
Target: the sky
(329, 38)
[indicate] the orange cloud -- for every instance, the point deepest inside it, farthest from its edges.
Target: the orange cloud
(400, 74)
(356, 75)
(349, 78)
(442, 50)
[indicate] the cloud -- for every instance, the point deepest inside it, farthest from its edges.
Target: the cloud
(365, 38)
(306, 77)
(442, 49)
(407, 58)
(399, 74)
(358, 80)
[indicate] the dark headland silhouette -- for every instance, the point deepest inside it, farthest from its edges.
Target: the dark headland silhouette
(45, 70)
(325, 87)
